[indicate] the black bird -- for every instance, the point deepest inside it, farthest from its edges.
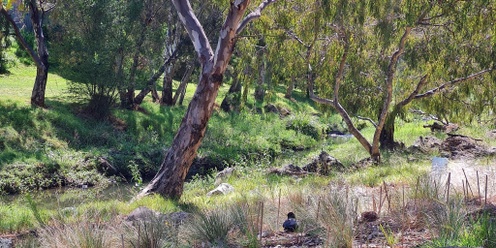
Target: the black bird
(290, 224)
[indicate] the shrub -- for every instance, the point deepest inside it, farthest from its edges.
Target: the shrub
(308, 125)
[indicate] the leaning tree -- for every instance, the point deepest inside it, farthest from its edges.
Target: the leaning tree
(37, 10)
(169, 180)
(384, 55)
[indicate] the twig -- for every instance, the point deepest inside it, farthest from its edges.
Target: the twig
(464, 193)
(448, 189)
(318, 209)
(261, 220)
(468, 183)
(416, 192)
(436, 189)
(278, 208)
(374, 205)
(380, 201)
(485, 193)
(367, 119)
(478, 185)
(387, 195)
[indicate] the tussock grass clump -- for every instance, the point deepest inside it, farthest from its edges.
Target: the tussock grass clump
(212, 227)
(227, 225)
(152, 232)
(330, 215)
(79, 235)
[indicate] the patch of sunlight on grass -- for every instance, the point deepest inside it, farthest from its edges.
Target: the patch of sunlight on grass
(18, 84)
(397, 170)
(154, 202)
(409, 132)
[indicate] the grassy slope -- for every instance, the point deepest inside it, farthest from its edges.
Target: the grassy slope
(58, 139)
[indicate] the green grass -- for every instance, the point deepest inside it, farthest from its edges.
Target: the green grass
(37, 143)
(18, 84)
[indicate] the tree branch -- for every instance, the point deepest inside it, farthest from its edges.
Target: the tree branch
(389, 85)
(226, 42)
(367, 119)
(21, 39)
(295, 37)
(195, 30)
(452, 82)
(412, 95)
(253, 15)
(341, 110)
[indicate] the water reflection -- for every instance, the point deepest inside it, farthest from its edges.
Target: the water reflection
(67, 197)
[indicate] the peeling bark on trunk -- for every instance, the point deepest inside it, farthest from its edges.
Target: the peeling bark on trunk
(169, 180)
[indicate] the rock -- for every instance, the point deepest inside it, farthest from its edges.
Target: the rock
(177, 218)
(141, 213)
(289, 170)
(222, 189)
(324, 164)
(439, 165)
(69, 211)
(271, 108)
(6, 243)
(426, 144)
(224, 174)
(144, 214)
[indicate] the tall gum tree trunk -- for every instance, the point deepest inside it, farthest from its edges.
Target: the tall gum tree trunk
(169, 180)
(39, 88)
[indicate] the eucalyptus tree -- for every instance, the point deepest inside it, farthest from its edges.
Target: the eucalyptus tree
(87, 48)
(449, 56)
(382, 55)
(143, 29)
(37, 11)
(110, 49)
(169, 180)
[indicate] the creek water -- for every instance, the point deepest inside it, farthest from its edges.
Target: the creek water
(67, 197)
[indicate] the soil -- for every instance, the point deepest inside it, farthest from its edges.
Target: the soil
(405, 227)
